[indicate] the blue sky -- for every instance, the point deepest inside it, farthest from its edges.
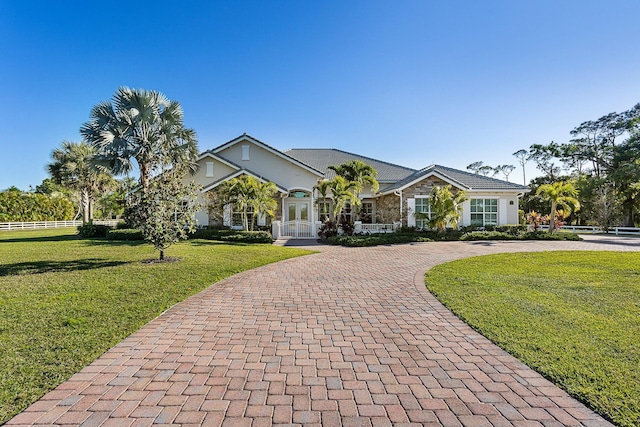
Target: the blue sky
(409, 82)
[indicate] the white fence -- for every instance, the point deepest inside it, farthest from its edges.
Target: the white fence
(598, 230)
(37, 225)
(361, 228)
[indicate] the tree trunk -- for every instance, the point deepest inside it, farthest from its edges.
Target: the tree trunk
(161, 254)
(85, 206)
(552, 217)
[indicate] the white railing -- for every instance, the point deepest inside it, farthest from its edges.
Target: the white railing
(297, 229)
(588, 229)
(375, 228)
(37, 225)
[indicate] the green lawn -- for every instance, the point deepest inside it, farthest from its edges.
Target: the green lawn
(64, 301)
(572, 316)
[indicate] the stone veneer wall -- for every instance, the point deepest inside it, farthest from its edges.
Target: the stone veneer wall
(422, 188)
(387, 209)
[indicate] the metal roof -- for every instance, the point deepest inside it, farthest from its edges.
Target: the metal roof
(322, 158)
(466, 180)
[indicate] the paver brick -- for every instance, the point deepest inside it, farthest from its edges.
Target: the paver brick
(347, 336)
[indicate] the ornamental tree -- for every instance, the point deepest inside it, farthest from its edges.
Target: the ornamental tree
(165, 213)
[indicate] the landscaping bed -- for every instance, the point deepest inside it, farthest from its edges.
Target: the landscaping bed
(465, 234)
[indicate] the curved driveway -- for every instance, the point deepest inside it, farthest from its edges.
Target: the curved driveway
(345, 337)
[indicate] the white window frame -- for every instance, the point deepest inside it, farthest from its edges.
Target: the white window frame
(209, 172)
(478, 208)
(324, 210)
(245, 152)
(422, 223)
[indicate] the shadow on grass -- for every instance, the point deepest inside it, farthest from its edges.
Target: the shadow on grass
(55, 266)
(204, 242)
(62, 238)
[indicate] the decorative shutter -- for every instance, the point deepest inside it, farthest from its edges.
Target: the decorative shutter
(502, 211)
(226, 219)
(411, 212)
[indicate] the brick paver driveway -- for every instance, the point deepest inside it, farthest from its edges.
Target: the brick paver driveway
(348, 337)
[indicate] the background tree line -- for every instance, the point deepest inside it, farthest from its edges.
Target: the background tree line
(601, 161)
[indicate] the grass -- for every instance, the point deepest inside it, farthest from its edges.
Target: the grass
(64, 301)
(572, 316)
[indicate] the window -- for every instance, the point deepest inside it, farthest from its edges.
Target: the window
(236, 218)
(346, 213)
(484, 212)
(209, 173)
(324, 211)
(366, 212)
(245, 152)
(423, 213)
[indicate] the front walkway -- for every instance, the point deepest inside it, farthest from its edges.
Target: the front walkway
(346, 337)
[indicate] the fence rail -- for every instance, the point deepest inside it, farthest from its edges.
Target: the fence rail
(598, 230)
(375, 228)
(38, 225)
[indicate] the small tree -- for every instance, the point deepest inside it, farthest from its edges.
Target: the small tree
(559, 194)
(445, 207)
(166, 211)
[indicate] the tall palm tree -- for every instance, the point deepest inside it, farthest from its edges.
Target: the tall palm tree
(559, 194)
(74, 167)
(445, 207)
(359, 174)
(143, 126)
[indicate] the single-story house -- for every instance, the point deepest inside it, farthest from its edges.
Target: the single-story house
(403, 191)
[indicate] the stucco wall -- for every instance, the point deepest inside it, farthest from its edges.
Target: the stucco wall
(270, 166)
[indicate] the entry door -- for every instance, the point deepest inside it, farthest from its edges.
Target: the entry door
(298, 211)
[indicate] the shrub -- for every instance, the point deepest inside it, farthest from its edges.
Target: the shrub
(487, 235)
(226, 235)
(93, 230)
(248, 237)
(377, 239)
(127, 234)
(511, 235)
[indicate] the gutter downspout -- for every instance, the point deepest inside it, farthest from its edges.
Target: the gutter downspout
(399, 194)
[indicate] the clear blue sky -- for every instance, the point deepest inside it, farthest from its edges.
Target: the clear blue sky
(409, 82)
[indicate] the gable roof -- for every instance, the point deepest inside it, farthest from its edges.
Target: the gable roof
(209, 154)
(275, 151)
(322, 158)
(461, 179)
(237, 173)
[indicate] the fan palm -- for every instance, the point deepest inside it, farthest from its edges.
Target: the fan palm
(143, 126)
(74, 166)
(561, 194)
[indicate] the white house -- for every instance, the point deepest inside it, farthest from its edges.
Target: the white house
(403, 191)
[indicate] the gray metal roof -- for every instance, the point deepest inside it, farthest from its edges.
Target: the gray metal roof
(466, 180)
(322, 158)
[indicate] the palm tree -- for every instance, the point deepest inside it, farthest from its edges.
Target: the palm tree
(559, 194)
(74, 167)
(143, 126)
(262, 201)
(445, 207)
(342, 192)
(359, 174)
